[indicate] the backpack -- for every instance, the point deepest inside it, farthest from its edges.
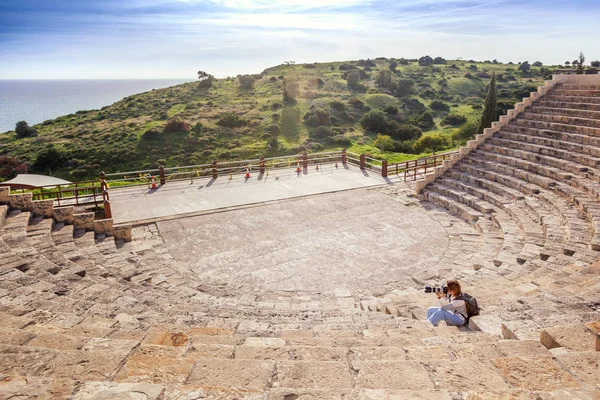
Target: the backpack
(471, 303)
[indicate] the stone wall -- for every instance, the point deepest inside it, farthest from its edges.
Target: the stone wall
(122, 232)
(4, 195)
(104, 227)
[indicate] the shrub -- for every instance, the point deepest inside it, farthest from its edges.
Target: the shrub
(537, 64)
(176, 125)
(49, 159)
(246, 81)
(404, 88)
(393, 66)
(439, 60)
(290, 92)
(337, 105)
(390, 109)
(339, 140)
(384, 143)
(384, 79)
(439, 106)
(432, 142)
(322, 132)
(151, 134)
(11, 167)
(24, 130)
(198, 128)
(231, 121)
(353, 79)
(466, 132)
(404, 132)
(524, 67)
(454, 119)
(425, 121)
(425, 61)
(375, 121)
(316, 117)
(356, 102)
(595, 64)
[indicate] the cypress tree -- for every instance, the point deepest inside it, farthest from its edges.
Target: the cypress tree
(489, 110)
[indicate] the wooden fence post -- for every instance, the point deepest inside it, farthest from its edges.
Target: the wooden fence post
(384, 168)
(305, 160)
(161, 174)
(215, 173)
(344, 156)
(261, 164)
(363, 161)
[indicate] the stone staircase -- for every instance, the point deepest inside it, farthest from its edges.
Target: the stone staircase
(67, 356)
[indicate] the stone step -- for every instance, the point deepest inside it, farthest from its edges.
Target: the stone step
(576, 92)
(588, 150)
(546, 133)
(571, 99)
(555, 126)
(562, 119)
(569, 105)
(577, 337)
(570, 156)
(571, 86)
(565, 111)
(532, 184)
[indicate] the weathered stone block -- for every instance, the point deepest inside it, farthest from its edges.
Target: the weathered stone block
(84, 221)
(314, 374)
(4, 194)
(391, 375)
(464, 376)
(21, 200)
(151, 369)
(573, 337)
(112, 390)
(585, 365)
(64, 214)
(241, 374)
(103, 227)
(122, 232)
(43, 207)
(540, 373)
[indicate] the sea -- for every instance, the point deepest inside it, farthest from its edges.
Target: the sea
(36, 101)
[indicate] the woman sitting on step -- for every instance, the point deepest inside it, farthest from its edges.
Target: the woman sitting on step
(454, 312)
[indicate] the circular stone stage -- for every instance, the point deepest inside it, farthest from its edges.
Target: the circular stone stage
(353, 240)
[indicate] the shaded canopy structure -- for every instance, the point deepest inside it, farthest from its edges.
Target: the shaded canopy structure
(33, 181)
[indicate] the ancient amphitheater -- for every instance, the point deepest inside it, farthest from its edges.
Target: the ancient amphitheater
(320, 297)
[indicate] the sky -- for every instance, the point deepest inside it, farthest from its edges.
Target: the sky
(110, 39)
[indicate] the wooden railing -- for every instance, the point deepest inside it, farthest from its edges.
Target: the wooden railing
(73, 194)
(416, 169)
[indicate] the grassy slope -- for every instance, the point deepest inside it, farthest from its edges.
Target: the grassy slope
(111, 138)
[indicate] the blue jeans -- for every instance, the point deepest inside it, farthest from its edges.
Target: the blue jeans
(436, 314)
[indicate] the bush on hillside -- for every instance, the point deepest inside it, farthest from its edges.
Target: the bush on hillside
(246, 81)
(454, 119)
(439, 106)
(317, 117)
(384, 143)
(466, 132)
(48, 160)
(439, 60)
(353, 79)
(404, 88)
(339, 140)
(595, 64)
(23, 130)
(151, 134)
(290, 92)
(524, 67)
(432, 142)
(11, 167)
(425, 121)
(337, 105)
(425, 61)
(384, 79)
(322, 132)
(404, 132)
(231, 121)
(537, 64)
(176, 125)
(375, 121)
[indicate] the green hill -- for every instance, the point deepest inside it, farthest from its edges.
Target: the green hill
(188, 124)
